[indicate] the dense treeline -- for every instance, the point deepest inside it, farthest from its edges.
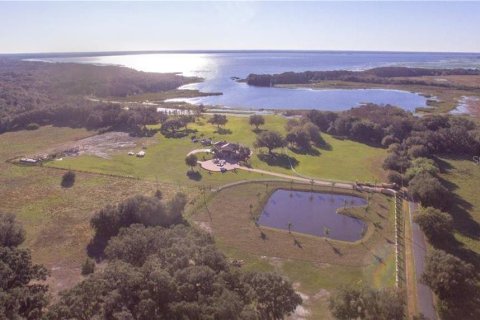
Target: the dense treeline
(34, 92)
(158, 267)
(388, 125)
(87, 115)
(149, 211)
(414, 144)
(381, 75)
(23, 292)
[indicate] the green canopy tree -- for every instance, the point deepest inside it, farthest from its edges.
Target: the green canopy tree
(270, 140)
(256, 120)
(436, 225)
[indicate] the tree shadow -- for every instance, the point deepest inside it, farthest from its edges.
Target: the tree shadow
(278, 160)
(194, 175)
(305, 151)
(297, 243)
(258, 130)
(443, 165)
(322, 144)
(223, 131)
(96, 247)
(67, 183)
(263, 236)
(335, 249)
(460, 209)
(178, 133)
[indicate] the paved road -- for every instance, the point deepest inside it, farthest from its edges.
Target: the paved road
(424, 294)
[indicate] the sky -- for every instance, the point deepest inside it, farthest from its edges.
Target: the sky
(133, 26)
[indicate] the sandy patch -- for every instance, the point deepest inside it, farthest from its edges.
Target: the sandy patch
(101, 145)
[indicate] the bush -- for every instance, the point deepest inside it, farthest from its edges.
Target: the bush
(388, 140)
(32, 126)
(68, 179)
(429, 191)
(436, 225)
(395, 177)
(148, 211)
(453, 281)
(88, 267)
(421, 166)
(418, 151)
(367, 304)
(11, 232)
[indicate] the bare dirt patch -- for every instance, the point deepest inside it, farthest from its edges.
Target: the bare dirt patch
(101, 145)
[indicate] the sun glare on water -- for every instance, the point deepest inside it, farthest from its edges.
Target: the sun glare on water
(185, 63)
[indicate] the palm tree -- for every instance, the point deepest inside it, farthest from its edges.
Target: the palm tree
(290, 227)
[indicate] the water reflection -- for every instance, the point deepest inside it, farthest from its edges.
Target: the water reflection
(313, 215)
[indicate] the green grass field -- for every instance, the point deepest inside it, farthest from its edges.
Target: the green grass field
(344, 160)
(57, 219)
(317, 267)
(463, 179)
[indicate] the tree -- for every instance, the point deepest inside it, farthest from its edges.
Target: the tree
(171, 126)
(275, 296)
(173, 273)
(299, 137)
(256, 120)
(436, 225)
(23, 294)
(454, 281)
(429, 191)
(11, 232)
(395, 177)
(396, 162)
(149, 211)
(270, 140)
(88, 267)
(367, 304)
(218, 119)
(418, 151)
(68, 179)
(420, 166)
(191, 161)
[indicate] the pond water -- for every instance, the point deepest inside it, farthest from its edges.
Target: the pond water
(219, 68)
(313, 213)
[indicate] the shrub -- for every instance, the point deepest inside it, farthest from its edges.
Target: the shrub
(420, 166)
(32, 126)
(68, 179)
(11, 232)
(429, 191)
(395, 177)
(418, 151)
(436, 225)
(88, 267)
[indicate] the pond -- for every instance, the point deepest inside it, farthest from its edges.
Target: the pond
(313, 213)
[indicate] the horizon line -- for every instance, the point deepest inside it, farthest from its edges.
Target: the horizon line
(128, 52)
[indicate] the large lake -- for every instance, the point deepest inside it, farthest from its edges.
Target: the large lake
(313, 213)
(218, 68)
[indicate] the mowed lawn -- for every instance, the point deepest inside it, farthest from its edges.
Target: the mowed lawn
(342, 160)
(57, 219)
(463, 179)
(316, 267)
